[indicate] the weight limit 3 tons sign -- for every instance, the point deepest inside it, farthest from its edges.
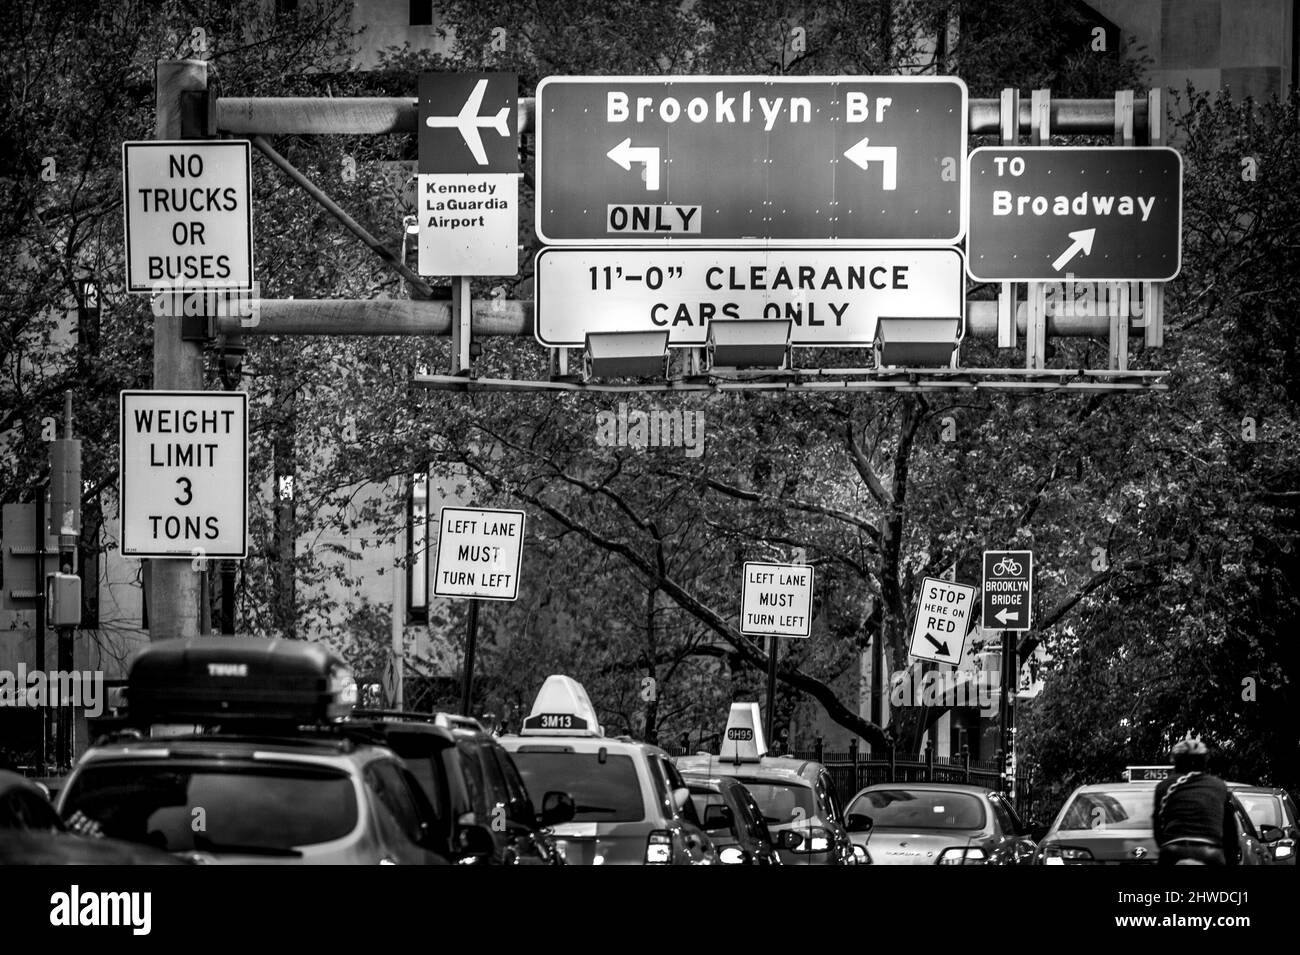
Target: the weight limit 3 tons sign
(184, 473)
(189, 221)
(776, 600)
(479, 553)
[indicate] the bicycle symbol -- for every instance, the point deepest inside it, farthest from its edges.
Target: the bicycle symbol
(1007, 567)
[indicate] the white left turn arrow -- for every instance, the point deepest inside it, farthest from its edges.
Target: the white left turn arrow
(860, 154)
(625, 154)
(1082, 243)
(1003, 616)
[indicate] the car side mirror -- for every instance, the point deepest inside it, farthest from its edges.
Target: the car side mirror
(681, 796)
(789, 839)
(1271, 833)
(859, 822)
(475, 840)
(557, 808)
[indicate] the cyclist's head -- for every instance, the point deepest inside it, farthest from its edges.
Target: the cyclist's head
(1190, 755)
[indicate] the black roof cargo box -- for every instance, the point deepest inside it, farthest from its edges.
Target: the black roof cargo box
(227, 679)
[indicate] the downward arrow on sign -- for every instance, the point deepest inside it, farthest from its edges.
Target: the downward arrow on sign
(940, 648)
(1082, 243)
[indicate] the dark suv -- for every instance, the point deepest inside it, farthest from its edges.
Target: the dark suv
(473, 785)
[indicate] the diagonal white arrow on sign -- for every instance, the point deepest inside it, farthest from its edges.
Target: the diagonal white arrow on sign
(1082, 243)
(860, 154)
(625, 154)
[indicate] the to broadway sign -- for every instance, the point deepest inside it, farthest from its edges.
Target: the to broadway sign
(833, 297)
(943, 617)
(776, 600)
(751, 159)
(479, 553)
(184, 473)
(1008, 589)
(1097, 214)
(189, 223)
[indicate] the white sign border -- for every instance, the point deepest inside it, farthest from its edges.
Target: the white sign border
(916, 623)
(121, 480)
(1056, 149)
(196, 285)
(962, 211)
(519, 560)
(812, 592)
(715, 247)
(1029, 600)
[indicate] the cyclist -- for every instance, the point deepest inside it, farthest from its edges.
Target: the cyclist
(1193, 818)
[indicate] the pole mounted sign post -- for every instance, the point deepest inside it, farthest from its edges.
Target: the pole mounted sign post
(480, 553)
(943, 617)
(775, 601)
(1008, 589)
(1054, 212)
(189, 221)
(184, 474)
(468, 174)
(751, 159)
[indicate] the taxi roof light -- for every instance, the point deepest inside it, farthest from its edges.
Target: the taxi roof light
(562, 708)
(743, 740)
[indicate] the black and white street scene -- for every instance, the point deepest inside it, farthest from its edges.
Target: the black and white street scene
(652, 432)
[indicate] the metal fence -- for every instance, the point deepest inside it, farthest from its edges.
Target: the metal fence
(851, 771)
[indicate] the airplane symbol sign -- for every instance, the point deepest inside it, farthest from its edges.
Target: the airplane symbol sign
(468, 122)
(458, 114)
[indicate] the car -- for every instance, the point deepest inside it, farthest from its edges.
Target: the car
(472, 782)
(1274, 814)
(31, 833)
(938, 824)
(237, 750)
(611, 800)
(1111, 824)
(733, 820)
(796, 796)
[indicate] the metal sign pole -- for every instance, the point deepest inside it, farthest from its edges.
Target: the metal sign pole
(771, 688)
(471, 637)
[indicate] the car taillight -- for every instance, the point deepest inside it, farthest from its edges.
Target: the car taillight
(969, 855)
(815, 839)
(659, 848)
(1061, 855)
(1283, 849)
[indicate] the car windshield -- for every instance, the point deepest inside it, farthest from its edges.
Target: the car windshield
(1262, 808)
(920, 809)
(180, 808)
(782, 802)
(605, 790)
(1118, 808)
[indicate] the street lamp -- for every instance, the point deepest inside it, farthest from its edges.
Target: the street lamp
(916, 342)
(749, 343)
(625, 355)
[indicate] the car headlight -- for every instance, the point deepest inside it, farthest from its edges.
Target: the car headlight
(969, 855)
(1283, 850)
(1061, 855)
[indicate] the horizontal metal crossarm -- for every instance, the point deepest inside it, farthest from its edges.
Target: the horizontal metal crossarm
(893, 379)
(307, 116)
